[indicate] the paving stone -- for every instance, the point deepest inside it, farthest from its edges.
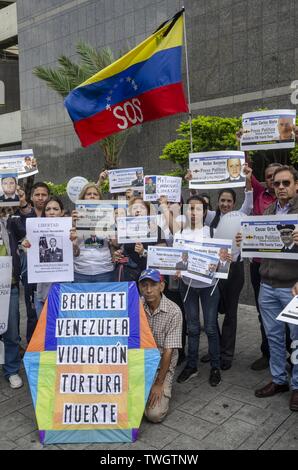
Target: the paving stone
(253, 415)
(104, 447)
(183, 442)
(14, 404)
(138, 445)
(231, 434)
(12, 421)
(275, 437)
(189, 425)
(156, 435)
(246, 396)
(30, 442)
(263, 433)
(289, 441)
(22, 430)
(6, 444)
(192, 406)
(219, 410)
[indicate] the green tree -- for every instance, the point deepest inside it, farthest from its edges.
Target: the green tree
(69, 75)
(210, 133)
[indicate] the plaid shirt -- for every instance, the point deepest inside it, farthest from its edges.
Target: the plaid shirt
(166, 326)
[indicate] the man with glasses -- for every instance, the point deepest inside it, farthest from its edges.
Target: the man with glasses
(263, 196)
(277, 279)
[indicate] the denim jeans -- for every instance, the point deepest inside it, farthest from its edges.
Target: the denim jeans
(272, 301)
(11, 337)
(104, 277)
(192, 314)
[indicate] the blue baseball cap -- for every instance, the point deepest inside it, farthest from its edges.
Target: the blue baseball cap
(152, 274)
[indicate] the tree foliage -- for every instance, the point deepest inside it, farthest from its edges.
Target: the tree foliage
(210, 133)
(70, 74)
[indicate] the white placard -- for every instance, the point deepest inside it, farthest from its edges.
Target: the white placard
(143, 229)
(75, 186)
(201, 267)
(272, 129)
(269, 236)
(122, 179)
(8, 188)
(5, 284)
(19, 160)
(290, 312)
(167, 260)
(215, 170)
(50, 258)
(157, 185)
(98, 217)
(210, 246)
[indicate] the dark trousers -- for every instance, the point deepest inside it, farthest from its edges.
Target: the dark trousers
(255, 279)
(230, 290)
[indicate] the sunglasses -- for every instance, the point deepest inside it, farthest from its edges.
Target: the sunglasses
(285, 183)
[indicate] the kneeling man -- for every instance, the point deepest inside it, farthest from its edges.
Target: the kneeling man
(165, 320)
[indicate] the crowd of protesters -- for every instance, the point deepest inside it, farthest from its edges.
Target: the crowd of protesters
(172, 304)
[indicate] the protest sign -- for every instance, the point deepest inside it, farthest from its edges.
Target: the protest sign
(215, 170)
(51, 254)
(142, 229)
(158, 185)
(122, 179)
(75, 186)
(5, 284)
(8, 188)
(269, 236)
(218, 248)
(272, 129)
(22, 161)
(91, 363)
(98, 218)
(228, 227)
(167, 260)
(201, 267)
(290, 312)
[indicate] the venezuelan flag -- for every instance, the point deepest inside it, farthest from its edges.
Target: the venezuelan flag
(143, 85)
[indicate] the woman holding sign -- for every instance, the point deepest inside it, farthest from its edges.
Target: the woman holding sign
(133, 256)
(94, 263)
(53, 208)
(192, 290)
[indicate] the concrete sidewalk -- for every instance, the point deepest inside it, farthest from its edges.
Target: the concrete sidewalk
(201, 417)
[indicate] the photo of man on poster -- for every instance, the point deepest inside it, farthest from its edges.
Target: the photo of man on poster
(286, 236)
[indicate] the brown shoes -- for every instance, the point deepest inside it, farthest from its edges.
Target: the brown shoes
(294, 401)
(271, 389)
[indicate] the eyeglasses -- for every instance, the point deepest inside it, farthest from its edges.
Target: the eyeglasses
(285, 183)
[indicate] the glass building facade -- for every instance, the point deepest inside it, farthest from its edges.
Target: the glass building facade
(242, 56)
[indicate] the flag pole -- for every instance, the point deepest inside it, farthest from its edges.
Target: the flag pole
(187, 80)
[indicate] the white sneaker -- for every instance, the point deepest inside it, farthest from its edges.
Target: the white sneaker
(15, 381)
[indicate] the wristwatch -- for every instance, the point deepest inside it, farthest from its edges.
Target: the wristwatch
(144, 254)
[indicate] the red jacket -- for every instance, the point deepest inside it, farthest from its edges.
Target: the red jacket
(262, 197)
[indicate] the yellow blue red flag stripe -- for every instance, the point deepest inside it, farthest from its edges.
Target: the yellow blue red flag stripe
(143, 85)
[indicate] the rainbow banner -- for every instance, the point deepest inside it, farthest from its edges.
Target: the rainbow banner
(143, 85)
(91, 363)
